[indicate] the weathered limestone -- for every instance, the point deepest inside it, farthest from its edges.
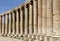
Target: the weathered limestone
(13, 24)
(30, 19)
(56, 17)
(37, 20)
(26, 19)
(21, 21)
(10, 24)
(35, 17)
(6, 25)
(51, 39)
(2, 24)
(44, 17)
(49, 17)
(17, 23)
(39, 17)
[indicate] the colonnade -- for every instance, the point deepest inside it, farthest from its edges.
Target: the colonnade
(37, 20)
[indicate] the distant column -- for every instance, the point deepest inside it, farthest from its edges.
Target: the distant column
(13, 25)
(10, 23)
(56, 17)
(21, 21)
(2, 24)
(6, 26)
(30, 17)
(35, 16)
(39, 17)
(49, 17)
(17, 23)
(44, 17)
(26, 19)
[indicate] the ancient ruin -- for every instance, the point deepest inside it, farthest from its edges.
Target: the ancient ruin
(34, 20)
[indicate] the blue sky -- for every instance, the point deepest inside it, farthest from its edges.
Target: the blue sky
(9, 4)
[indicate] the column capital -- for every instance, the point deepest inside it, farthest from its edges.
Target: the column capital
(22, 8)
(31, 2)
(34, 0)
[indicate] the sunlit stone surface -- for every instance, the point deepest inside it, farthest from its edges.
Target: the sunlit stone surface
(34, 20)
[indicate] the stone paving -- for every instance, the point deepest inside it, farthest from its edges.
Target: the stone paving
(9, 39)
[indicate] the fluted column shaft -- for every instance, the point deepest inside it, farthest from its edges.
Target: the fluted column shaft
(44, 17)
(30, 17)
(35, 16)
(21, 21)
(13, 28)
(39, 16)
(56, 17)
(10, 23)
(6, 26)
(2, 24)
(26, 19)
(17, 24)
(49, 17)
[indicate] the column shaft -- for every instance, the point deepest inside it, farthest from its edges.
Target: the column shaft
(56, 17)
(10, 23)
(39, 16)
(26, 20)
(6, 26)
(17, 24)
(49, 17)
(44, 17)
(21, 21)
(2, 24)
(13, 28)
(35, 16)
(30, 17)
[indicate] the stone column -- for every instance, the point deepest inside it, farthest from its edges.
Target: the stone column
(13, 24)
(26, 19)
(21, 21)
(49, 17)
(56, 17)
(30, 18)
(39, 17)
(10, 23)
(44, 17)
(35, 16)
(26, 22)
(2, 24)
(51, 39)
(6, 25)
(17, 23)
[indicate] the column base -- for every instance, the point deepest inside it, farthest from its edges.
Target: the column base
(30, 36)
(5, 35)
(34, 37)
(12, 35)
(2, 34)
(9, 35)
(21, 36)
(16, 36)
(26, 37)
